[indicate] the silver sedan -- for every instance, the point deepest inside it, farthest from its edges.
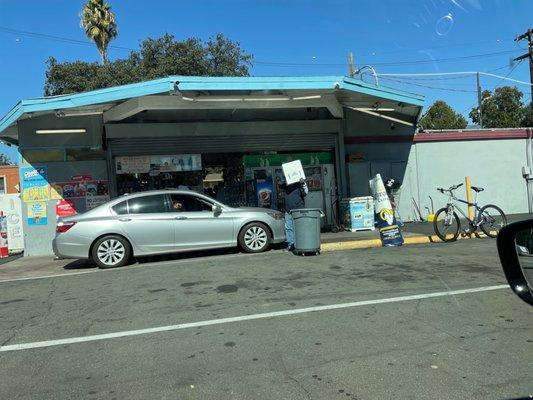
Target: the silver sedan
(164, 221)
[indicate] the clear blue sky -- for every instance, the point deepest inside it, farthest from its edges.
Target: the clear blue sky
(314, 36)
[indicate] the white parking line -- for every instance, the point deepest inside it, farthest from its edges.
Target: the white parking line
(114, 335)
(30, 278)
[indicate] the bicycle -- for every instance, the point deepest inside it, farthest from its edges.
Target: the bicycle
(489, 218)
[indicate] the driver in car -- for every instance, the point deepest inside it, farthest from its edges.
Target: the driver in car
(177, 205)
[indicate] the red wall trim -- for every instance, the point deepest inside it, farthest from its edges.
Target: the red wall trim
(445, 136)
(378, 139)
(471, 135)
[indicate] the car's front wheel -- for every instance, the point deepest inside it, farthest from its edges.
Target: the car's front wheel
(254, 237)
(111, 251)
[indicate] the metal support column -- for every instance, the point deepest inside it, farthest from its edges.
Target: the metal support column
(111, 173)
(341, 159)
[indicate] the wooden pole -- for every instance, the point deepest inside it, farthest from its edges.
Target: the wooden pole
(468, 188)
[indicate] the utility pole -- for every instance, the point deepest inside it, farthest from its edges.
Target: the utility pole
(527, 173)
(351, 67)
(529, 37)
(479, 101)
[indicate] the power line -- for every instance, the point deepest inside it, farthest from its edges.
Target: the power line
(470, 44)
(281, 64)
(405, 62)
(443, 75)
(507, 75)
(55, 38)
(39, 35)
(427, 86)
(410, 75)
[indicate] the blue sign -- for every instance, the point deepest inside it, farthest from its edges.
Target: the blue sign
(33, 177)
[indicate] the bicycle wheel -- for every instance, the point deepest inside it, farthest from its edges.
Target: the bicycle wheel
(492, 220)
(446, 225)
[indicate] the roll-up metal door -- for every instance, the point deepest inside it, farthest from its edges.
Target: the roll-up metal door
(221, 144)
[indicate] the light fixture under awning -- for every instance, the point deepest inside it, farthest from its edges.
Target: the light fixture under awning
(59, 131)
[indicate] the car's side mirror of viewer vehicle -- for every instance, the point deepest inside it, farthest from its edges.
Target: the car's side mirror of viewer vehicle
(515, 247)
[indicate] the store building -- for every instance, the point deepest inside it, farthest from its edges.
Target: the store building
(226, 136)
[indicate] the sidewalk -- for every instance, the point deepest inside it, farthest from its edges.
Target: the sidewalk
(409, 230)
(413, 233)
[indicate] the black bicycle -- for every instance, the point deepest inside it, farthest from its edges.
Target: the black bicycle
(447, 225)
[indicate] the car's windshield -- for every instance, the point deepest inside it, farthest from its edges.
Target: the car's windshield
(267, 199)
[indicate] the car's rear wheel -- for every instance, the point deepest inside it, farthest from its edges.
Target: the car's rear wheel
(111, 251)
(255, 237)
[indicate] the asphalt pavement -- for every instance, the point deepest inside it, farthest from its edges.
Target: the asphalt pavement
(417, 322)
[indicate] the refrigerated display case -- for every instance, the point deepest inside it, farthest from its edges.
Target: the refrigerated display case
(320, 180)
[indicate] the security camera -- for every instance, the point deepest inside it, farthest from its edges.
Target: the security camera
(392, 126)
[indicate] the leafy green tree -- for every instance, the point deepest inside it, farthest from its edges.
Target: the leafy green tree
(441, 116)
(81, 76)
(100, 25)
(501, 109)
(156, 58)
(528, 116)
(225, 57)
(4, 160)
(165, 56)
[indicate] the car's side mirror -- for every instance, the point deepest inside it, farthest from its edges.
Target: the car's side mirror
(515, 246)
(216, 209)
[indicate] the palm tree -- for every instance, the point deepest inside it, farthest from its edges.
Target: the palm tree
(100, 25)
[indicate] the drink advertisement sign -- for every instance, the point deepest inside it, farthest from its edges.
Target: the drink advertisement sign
(389, 231)
(65, 208)
(265, 193)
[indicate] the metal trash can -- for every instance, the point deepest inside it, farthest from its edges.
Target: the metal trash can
(307, 230)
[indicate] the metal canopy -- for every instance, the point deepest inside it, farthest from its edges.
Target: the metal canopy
(196, 93)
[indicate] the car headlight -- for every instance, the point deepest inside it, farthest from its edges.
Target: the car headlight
(276, 215)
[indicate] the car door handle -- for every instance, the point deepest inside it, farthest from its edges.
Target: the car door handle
(124, 219)
(180, 217)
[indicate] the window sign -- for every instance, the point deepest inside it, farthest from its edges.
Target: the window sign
(156, 164)
(34, 183)
(132, 165)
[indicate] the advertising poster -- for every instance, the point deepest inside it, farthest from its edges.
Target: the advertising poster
(132, 165)
(155, 164)
(37, 213)
(389, 231)
(95, 201)
(34, 183)
(176, 163)
(56, 191)
(79, 178)
(36, 193)
(313, 178)
(78, 189)
(265, 193)
(65, 208)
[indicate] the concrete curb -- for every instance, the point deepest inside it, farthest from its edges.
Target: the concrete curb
(365, 244)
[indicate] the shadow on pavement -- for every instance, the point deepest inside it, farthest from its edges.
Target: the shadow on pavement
(88, 264)
(80, 264)
(12, 257)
